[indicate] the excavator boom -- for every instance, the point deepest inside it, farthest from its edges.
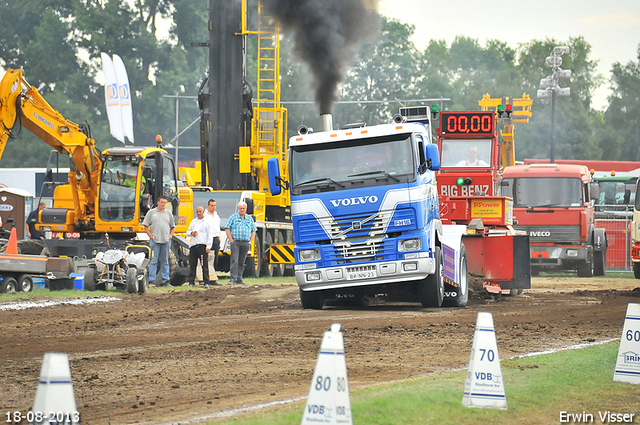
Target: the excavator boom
(22, 106)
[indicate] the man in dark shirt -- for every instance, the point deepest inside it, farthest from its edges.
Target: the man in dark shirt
(31, 223)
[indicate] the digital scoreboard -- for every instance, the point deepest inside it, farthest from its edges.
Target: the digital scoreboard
(467, 123)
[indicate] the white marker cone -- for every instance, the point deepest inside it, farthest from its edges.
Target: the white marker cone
(484, 386)
(628, 363)
(328, 401)
(55, 393)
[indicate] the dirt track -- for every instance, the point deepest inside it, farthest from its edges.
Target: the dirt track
(170, 357)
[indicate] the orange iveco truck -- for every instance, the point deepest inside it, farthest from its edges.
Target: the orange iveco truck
(553, 203)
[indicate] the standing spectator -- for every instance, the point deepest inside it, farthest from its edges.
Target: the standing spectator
(159, 225)
(473, 160)
(32, 219)
(200, 230)
(212, 214)
(241, 230)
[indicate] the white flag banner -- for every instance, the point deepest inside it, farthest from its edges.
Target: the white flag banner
(124, 96)
(112, 98)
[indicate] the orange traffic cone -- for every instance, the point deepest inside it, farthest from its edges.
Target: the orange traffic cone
(12, 246)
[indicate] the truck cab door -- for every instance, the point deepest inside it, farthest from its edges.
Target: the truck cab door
(169, 186)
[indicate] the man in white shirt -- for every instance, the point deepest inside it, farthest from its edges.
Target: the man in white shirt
(473, 160)
(212, 214)
(200, 230)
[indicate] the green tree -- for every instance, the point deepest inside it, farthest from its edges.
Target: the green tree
(575, 120)
(384, 70)
(621, 134)
(58, 43)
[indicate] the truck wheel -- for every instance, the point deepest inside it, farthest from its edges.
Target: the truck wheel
(431, 289)
(143, 284)
(599, 259)
(458, 296)
(636, 270)
(25, 283)
(585, 269)
(90, 279)
(311, 299)
(131, 280)
(254, 264)
(174, 270)
(9, 285)
(31, 246)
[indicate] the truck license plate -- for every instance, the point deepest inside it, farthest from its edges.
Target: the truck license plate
(361, 275)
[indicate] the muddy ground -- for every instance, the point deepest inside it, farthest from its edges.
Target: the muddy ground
(169, 357)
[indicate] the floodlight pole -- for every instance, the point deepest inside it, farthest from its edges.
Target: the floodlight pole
(549, 87)
(553, 126)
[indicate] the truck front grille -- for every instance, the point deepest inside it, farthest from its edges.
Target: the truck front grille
(354, 226)
(358, 251)
(555, 234)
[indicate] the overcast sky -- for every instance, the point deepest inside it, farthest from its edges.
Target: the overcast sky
(612, 27)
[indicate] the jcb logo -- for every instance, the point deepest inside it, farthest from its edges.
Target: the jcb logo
(539, 234)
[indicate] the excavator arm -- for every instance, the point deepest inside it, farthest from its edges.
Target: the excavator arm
(22, 106)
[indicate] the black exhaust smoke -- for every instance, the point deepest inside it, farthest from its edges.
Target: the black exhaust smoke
(327, 34)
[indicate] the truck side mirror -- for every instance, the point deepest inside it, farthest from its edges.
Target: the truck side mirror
(433, 156)
(249, 203)
(275, 182)
(627, 196)
(594, 191)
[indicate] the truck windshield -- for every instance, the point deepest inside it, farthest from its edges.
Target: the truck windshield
(544, 191)
(118, 190)
(616, 195)
(466, 153)
(369, 162)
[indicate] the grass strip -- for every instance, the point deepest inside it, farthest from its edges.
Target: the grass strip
(77, 293)
(537, 389)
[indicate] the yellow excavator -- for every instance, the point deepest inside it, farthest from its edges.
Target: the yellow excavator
(108, 192)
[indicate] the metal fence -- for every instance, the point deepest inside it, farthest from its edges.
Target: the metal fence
(618, 227)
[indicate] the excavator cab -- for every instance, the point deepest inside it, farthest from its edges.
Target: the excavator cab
(132, 180)
(118, 189)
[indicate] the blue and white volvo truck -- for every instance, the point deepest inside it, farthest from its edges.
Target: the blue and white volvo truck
(366, 219)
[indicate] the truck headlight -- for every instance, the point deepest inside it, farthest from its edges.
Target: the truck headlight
(409, 245)
(313, 276)
(572, 252)
(409, 267)
(308, 255)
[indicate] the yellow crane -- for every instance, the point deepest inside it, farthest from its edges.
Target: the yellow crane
(509, 111)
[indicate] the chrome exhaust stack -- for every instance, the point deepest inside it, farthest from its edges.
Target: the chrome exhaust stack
(327, 122)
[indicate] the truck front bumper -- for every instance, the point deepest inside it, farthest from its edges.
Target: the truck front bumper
(557, 256)
(353, 275)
